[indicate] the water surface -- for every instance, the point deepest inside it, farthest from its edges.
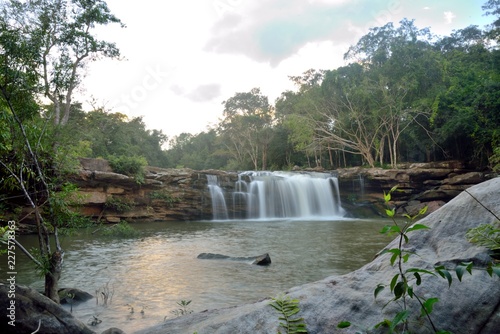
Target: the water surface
(157, 269)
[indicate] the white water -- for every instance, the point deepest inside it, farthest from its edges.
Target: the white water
(276, 195)
(219, 208)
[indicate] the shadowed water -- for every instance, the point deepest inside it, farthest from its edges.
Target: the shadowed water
(157, 269)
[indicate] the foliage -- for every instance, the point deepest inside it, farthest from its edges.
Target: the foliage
(165, 196)
(183, 308)
(129, 165)
(403, 285)
(122, 230)
(288, 308)
(61, 32)
(485, 235)
(494, 160)
(119, 204)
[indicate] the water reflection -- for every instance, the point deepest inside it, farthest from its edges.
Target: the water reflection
(159, 268)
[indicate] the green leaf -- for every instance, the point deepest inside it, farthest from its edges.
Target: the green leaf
(405, 237)
(406, 257)
(419, 279)
(385, 229)
(427, 305)
(410, 291)
(344, 324)
(462, 268)
(384, 323)
(493, 269)
(400, 317)
(422, 211)
(378, 289)
(387, 197)
(399, 289)
(444, 274)
(394, 281)
(390, 213)
(421, 271)
(417, 227)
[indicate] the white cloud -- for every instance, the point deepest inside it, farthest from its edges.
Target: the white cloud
(449, 16)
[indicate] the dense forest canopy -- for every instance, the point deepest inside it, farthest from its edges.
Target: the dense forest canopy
(406, 95)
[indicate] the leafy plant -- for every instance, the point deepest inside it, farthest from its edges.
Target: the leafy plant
(288, 308)
(129, 165)
(119, 204)
(485, 235)
(165, 196)
(183, 308)
(122, 229)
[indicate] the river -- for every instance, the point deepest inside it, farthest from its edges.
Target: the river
(157, 269)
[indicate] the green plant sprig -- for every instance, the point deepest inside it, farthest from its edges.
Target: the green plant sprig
(289, 307)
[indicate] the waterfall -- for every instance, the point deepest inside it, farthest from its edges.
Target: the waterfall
(219, 208)
(271, 195)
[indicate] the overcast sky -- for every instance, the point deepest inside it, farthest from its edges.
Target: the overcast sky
(182, 59)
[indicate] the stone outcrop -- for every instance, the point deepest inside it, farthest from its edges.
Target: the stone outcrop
(471, 306)
(33, 310)
(182, 194)
(419, 184)
(165, 194)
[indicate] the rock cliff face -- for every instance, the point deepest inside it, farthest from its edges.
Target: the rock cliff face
(471, 306)
(182, 194)
(419, 184)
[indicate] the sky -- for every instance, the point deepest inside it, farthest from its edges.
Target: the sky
(182, 59)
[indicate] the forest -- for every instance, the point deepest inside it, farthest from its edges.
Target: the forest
(406, 95)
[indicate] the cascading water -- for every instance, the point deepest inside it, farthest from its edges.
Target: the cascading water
(219, 208)
(271, 195)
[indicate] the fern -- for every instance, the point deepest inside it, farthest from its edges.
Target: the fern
(288, 308)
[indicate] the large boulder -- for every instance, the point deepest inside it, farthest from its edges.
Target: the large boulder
(35, 311)
(471, 306)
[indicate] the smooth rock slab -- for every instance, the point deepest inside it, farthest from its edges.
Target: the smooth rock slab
(471, 306)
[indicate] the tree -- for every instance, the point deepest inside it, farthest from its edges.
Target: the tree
(62, 31)
(247, 120)
(43, 48)
(23, 158)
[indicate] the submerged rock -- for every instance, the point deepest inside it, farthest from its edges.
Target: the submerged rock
(471, 306)
(72, 295)
(261, 260)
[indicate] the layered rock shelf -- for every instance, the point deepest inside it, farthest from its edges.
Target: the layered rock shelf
(182, 194)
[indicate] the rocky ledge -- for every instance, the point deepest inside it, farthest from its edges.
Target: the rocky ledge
(471, 306)
(182, 194)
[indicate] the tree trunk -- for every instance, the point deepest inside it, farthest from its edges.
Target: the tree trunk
(53, 275)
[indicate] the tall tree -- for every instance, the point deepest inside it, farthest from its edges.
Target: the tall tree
(63, 31)
(23, 160)
(247, 119)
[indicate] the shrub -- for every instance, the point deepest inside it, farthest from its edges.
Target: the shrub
(119, 204)
(129, 165)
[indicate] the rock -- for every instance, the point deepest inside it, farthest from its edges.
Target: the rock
(113, 330)
(261, 260)
(72, 295)
(113, 219)
(32, 309)
(471, 306)
(468, 178)
(95, 164)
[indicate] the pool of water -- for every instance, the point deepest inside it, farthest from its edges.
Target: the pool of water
(159, 268)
